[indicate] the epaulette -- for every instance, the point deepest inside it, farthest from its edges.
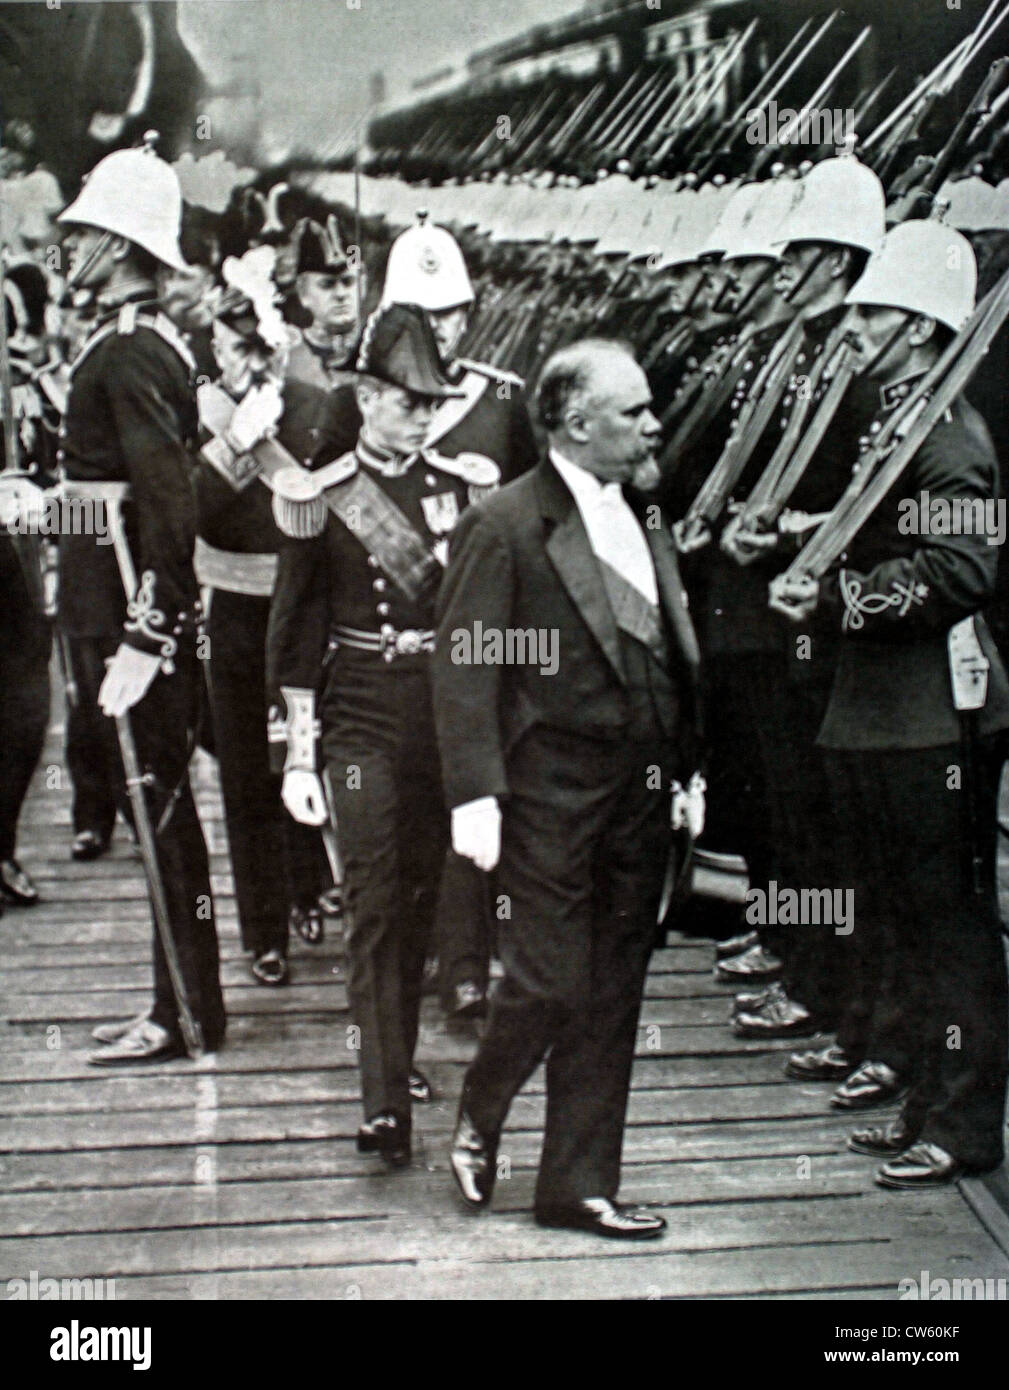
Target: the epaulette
(299, 502)
(475, 469)
(493, 373)
(162, 325)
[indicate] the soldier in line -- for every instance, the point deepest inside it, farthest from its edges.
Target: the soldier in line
(350, 637)
(328, 289)
(274, 860)
(25, 629)
(837, 219)
(915, 769)
(488, 425)
(127, 445)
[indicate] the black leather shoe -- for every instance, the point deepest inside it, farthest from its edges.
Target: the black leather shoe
(16, 886)
(146, 1042)
(474, 1162)
(421, 1089)
(88, 844)
(468, 1001)
(750, 965)
(779, 1018)
(824, 1064)
(736, 945)
(387, 1136)
(601, 1217)
(270, 968)
(882, 1141)
(308, 923)
(873, 1083)
(331, 902)
(752, 1001)
(921, 1166)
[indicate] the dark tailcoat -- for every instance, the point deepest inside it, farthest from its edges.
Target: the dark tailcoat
(581, 760)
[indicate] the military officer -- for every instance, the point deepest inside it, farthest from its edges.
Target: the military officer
(25, 632)
(487, 419)
(330, 290)
(351, 629)
(127, 442)
(273, 859)
(916, 761)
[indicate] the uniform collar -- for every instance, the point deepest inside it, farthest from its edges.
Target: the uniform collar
(389, 465)
(108, 304)
(896, 392)
(332, 354)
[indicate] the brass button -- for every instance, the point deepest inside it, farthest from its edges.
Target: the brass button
(383, 610)
(378, 585)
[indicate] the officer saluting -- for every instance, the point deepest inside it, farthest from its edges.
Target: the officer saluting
(252, 428)
(486, 421)
(370, 535)
(130, 422)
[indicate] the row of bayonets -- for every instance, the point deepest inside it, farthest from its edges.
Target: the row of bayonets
(661, 120)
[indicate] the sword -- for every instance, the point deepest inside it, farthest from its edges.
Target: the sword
(329, 840)
(135, 783)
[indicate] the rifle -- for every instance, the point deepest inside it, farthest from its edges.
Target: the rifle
(817, 100)
(901, 438)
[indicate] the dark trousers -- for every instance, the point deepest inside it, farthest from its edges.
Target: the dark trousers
(788, 710)
(380, 751)
(465, 930)
(274, 861)
(584, 842)
(92, 752)
(162, 725)
(24, 717)
(927, 987)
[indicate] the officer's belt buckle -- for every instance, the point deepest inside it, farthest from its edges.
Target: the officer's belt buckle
(410, 642)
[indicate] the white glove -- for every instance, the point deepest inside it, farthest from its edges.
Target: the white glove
(689, 807)
(476, 832)
(302, 794)
(128, 677)
(22, 505)
(255, 416)
(690, 535)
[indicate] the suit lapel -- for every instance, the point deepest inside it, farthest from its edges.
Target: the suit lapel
(571, 555)
(672, 595)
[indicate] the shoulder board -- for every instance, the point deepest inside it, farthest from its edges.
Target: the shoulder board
(494, 373)
(162, 325)
(336, 472)
(476, 469)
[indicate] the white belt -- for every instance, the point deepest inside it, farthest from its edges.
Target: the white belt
(254, 574)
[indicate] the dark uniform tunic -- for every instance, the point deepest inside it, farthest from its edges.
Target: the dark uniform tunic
(131, 419)
(928, 938)
(25, 633)
(489, 419)
(274, 860)
(378, 744)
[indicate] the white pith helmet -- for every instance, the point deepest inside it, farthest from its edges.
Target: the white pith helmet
(758, 231)
(426, 267)
(136, 195)
(923, 267)
(839, 201)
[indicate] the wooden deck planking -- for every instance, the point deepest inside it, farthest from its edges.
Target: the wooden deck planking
(238, 1177)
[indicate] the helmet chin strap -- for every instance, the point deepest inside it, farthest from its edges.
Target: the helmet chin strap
(88, 264)
(874, 361)
(803, 279)
(758, 283)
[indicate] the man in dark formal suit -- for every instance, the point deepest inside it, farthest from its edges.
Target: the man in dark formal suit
(558, 765)
(915, 729)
